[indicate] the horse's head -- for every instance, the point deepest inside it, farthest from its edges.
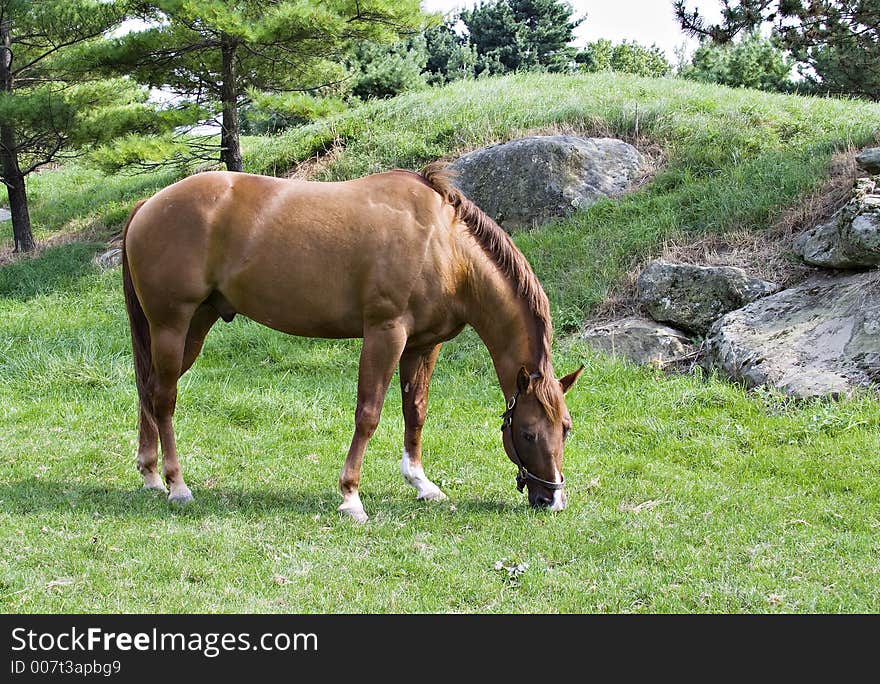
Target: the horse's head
(535, 426)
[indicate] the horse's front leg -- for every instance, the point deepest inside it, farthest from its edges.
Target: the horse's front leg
(380, 353)
(416, 368)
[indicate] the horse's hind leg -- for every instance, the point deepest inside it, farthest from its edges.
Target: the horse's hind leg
(415, 375)
(148, 436)
(379, 356)
(168, 344)
(148, 453)
(204, 317)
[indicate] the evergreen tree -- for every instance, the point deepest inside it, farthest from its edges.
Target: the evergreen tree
(270, 113)
(837, 42)
(514, 35)
(626, 57)
(49, 108)
(450, 56)
(380, 71)
(212, 51)
(754, 62)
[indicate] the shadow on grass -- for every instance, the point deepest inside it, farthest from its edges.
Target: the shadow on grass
(54, 269)
(41, 496)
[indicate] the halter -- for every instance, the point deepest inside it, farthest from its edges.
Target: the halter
(523, 475)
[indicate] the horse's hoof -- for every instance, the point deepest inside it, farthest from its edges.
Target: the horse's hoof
(153, 482)
(156, 485)
(353, 508)
(359, 515)
(414, 475)
(180, 496)
(435, 494)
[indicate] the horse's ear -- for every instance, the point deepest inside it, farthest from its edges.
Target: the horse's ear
(523, 381)
(570, 379)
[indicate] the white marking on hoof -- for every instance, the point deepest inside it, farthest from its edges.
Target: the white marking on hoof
(352, 507)
(153, 482)
(415, 477)
(180, 494)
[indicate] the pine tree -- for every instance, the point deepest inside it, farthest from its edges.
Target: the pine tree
(382, 71)
(449, 56)
(627, 57)
(221, 54)
(837, 42)
(48, 108)
(514, 35)
(753, 62)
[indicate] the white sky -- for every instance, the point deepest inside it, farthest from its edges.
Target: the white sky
(645, 21)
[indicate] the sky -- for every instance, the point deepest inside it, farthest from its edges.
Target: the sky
(645, 21)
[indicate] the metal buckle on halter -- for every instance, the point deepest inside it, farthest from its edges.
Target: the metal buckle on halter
(521, 478)
(507, 416)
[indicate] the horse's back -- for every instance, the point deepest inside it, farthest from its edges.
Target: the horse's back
(304, 257)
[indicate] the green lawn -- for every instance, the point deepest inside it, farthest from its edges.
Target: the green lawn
(685, 493)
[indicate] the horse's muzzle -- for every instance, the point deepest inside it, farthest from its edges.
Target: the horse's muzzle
(554, 501)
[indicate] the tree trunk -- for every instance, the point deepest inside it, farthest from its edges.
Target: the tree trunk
(230, 147)
(11, 173)
(21, 220)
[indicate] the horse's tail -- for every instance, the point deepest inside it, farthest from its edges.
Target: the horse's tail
(140, 334)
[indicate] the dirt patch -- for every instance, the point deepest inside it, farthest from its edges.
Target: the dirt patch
(76, 231)
(307, 169)
(767, 254)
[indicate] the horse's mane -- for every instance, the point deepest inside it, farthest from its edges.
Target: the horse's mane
(513, 264)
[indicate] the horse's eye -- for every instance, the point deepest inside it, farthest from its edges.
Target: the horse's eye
(529, 436)
(566, 431)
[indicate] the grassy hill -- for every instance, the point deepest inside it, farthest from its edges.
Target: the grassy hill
(685, 493)
(730, 159)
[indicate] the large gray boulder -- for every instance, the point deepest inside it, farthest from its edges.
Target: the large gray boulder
(524, 183)
(869, 159)
(4, 214)
(851, 238)
(820, 338)
(639, 340)
(694, 297)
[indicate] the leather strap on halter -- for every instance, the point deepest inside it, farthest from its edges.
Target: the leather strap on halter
(523, 475)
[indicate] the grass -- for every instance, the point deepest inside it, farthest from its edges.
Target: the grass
(685, 493)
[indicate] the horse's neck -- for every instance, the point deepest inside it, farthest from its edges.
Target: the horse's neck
(504, 323)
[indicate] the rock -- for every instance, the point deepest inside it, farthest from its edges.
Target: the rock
(109, 259)
(524, 183)
(851, 238)
(694, 297)
(639, 340)
(5, 214)
(869, 159)
(821, 246)
(820, 338)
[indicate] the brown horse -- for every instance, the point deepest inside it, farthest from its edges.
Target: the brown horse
(402, 260)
